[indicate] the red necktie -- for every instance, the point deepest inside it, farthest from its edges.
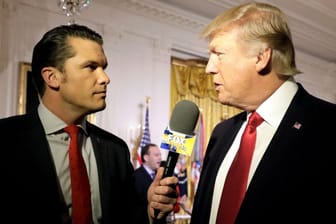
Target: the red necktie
(236, 180)
(80, 186)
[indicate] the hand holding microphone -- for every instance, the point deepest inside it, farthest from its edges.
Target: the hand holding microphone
(179, 137)
(161, 196)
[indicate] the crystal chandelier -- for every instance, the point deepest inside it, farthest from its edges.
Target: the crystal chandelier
(72, 8)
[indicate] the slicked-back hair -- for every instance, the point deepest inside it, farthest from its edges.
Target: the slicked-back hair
(54, 49)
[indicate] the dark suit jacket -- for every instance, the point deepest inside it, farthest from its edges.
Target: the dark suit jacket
(295, 180)
(30, 188)
(142, 182)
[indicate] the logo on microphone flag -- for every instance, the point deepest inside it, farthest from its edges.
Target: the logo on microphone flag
(177, 142)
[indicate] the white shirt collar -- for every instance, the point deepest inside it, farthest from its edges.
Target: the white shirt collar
(51, 122)
(273, 109)
(149, 170)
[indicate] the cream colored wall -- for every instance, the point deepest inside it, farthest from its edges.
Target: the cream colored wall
(138, 49)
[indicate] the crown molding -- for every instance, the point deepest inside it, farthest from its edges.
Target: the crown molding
(162, 12)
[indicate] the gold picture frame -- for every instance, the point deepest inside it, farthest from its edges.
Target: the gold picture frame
(24, 69)
(27, 95)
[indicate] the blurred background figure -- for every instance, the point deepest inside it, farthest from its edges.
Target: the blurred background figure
(144, 175)
(182, 216)
(181, 173)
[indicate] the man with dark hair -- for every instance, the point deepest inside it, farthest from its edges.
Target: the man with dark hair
(144, 175)
(68, 68)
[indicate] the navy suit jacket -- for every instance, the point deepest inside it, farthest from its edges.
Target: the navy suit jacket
(295, 180)
(142, 181)
(30, 188)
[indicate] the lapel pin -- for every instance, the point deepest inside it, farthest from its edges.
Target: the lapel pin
(297, 125)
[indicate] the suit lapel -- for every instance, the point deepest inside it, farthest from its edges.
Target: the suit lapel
(291, 128)
(37, 160)
(219, 143)
(274, 162)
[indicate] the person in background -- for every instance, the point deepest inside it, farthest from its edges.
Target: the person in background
(252, 61)
(68, 69)
(181, 172)
(145, 174)
(182, 187)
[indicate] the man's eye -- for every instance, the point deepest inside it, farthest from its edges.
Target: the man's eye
(220, 55)
(92, 67)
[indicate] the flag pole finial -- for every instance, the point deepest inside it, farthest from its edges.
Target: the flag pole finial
(148, 99)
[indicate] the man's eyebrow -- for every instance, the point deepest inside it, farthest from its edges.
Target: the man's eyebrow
(91, 62)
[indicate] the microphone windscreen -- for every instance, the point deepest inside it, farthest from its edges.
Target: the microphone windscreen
(184, 117)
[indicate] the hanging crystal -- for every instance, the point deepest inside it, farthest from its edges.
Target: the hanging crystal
(72, 8)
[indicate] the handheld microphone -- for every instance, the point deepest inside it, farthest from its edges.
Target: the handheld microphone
(179, 136)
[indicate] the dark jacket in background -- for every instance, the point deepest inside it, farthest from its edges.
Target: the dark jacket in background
(142, 181)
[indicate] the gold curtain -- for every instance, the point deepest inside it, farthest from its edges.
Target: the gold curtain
(189, 81)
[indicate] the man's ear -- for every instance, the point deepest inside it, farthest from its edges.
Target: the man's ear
(50, 76)
(264, 61)
(146, 157)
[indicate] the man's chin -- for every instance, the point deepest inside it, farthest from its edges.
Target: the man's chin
(91, 113)
(99, 108)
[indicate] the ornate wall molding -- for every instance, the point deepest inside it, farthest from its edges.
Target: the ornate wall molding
(163, 13)
(305, 31)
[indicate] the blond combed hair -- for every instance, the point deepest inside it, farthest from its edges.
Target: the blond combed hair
(259, 25)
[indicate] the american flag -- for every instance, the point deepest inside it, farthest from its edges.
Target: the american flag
(145, 137)
(146, 134)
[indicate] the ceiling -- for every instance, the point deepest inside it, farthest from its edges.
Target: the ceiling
(312, 22)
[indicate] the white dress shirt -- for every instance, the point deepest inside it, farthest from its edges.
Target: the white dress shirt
(272, 111)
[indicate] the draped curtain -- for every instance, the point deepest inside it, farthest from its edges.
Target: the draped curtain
(189, 81)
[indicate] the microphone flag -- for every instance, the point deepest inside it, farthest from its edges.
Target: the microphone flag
(177, 142)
